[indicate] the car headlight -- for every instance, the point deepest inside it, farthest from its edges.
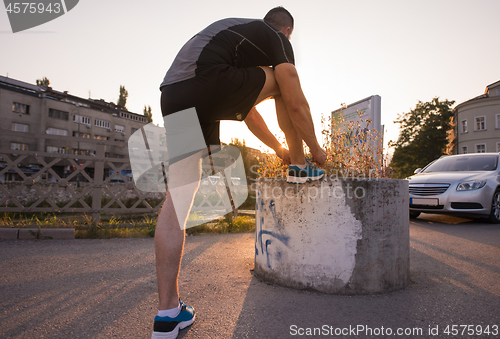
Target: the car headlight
(470, 185)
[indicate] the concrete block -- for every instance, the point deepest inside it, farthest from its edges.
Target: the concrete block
(54, 233)
(338, 236)
(8, 233)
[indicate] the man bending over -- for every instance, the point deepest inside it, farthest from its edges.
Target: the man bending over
(223, 72)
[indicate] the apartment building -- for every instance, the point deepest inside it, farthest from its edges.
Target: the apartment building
(477, 123)
(28, 111)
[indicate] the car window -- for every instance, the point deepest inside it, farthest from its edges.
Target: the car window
(463, 163)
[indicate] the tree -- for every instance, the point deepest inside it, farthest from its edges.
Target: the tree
(43, 82)
(147, 113)
(122, 99)
(423, 137)
(248, 160)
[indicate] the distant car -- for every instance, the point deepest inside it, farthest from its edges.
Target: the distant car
(464, 185)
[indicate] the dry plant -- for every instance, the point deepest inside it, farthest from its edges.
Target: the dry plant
(353, 150)
(271, 166)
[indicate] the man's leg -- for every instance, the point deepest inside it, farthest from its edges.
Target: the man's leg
(292, 137)
(184, 179)
(271, 89)
(169, 243)
(299, 170)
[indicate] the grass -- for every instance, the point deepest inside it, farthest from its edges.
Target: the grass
(114, 227)
(108, 233)
(147, 227)
(121, 226)
(226, 225)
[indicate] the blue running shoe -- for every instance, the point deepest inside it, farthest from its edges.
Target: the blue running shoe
(168, 328)
(300, 176)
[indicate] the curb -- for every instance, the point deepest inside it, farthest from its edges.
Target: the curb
(45, 233)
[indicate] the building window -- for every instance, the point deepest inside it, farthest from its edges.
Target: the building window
(81, 135)
(101, 137)
(498, 121)
(119, 156)
(55, 149)
(481, 148)
(134, 130)
(480, 123)
(83, 152)
(120, 129)
(102, 123)
(18, 147)
(82, 119)
(465, 149)
(57, 131)
(19, 127)
(498, 147)
(57, 114)
(464, 126)
(20, 108)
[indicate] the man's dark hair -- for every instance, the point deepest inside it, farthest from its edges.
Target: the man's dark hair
(279, 17)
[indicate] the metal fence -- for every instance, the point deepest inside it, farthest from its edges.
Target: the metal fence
(77, 183)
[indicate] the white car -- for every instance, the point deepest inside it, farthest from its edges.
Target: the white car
(464, 185)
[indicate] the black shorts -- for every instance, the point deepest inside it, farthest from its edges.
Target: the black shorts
(220, 92)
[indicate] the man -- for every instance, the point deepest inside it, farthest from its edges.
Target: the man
(223, 72)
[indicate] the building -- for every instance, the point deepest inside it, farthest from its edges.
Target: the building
(27, 112)
(477, 123)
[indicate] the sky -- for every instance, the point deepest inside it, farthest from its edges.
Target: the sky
(404, 51)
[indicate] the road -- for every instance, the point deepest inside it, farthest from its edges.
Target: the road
(107, 288)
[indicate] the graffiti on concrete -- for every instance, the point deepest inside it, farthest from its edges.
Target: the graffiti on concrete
(262, 232)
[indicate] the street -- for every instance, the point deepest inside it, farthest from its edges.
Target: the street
(107, 289)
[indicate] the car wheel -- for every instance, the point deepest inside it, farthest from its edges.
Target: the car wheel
(495, 208)
(414, 215)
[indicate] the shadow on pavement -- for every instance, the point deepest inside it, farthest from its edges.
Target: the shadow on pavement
(478, 230)
(447, 288)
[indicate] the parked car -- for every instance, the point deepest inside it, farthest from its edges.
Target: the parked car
(464, 185)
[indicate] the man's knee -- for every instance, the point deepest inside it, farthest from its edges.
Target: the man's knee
(270, 88)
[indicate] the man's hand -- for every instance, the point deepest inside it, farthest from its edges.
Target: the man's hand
(284, 155)
(319, 156)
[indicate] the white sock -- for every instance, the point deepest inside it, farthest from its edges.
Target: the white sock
(300, 166)
(171, 313)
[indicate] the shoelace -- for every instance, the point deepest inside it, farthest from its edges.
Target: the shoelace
(311, 164)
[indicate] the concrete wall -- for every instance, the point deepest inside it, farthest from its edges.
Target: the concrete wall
(335, 236)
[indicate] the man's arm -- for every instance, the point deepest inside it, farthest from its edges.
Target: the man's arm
(258, 127)
(298, 108)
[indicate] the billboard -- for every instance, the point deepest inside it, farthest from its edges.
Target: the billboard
(368, 108)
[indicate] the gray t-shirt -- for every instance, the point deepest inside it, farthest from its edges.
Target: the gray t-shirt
(237, 42)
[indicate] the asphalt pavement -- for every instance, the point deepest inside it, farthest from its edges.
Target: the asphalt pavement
(107, 289)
